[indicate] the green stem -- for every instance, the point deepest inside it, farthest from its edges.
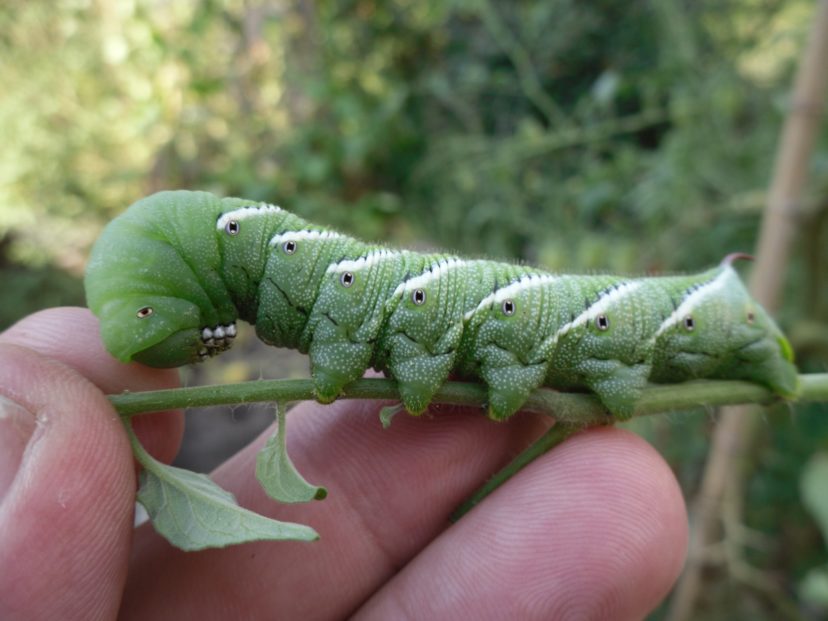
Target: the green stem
(141, 456)
(572, 411)
(567, 408)
(552, 438)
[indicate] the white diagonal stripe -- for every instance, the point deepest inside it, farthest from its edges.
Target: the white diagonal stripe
(246, 212)
(511, 290)
(690, 303)
(303, 236)
(601, 306)
(433, 272)
(353, 265)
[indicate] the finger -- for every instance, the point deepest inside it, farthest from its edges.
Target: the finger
(71, 335)
(390, 494)
(66, 514)
(595, 531)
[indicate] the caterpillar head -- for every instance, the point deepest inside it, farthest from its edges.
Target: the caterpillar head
(153, 281)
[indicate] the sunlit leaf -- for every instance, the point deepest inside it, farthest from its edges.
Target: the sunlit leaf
(814, 487)
(814, 587)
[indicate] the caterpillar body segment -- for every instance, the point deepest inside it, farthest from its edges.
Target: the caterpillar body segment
(170, 277)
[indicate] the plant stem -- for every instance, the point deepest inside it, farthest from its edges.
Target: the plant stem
(572, 411)
(567, 408)
(141, 456)
(552, 438)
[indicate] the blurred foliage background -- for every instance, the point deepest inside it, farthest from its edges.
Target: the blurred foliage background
(632, 136)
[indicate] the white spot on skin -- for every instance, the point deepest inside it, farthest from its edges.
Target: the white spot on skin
(601, 306)
(303, 236)
(433, 272)
(510, 291)
(693, 300)
(244, 213)
(363, 262)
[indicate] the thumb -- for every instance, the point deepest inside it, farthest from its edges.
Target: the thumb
(66, 492)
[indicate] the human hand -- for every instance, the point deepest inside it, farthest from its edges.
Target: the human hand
(596, 529)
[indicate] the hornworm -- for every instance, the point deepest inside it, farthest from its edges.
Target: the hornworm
(170, 277)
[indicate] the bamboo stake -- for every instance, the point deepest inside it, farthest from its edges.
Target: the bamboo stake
(734, 434)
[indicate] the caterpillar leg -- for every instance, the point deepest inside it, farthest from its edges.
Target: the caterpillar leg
(616, 384)
(510, 381)
(336, 360)
(419, 379)
(418, 371)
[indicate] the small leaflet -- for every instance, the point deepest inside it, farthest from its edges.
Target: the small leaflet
(276, 472)
(388, 413)
(193, 513)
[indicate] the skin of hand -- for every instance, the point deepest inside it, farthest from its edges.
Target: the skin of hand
(595, 529)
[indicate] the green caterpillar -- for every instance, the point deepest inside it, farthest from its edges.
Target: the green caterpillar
(170, 277)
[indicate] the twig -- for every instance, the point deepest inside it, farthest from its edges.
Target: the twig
(519, 57)
(552, 438)
(567, 408)
(514, 149)
(572, 411)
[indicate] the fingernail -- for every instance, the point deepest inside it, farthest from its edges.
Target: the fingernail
(17, 424)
